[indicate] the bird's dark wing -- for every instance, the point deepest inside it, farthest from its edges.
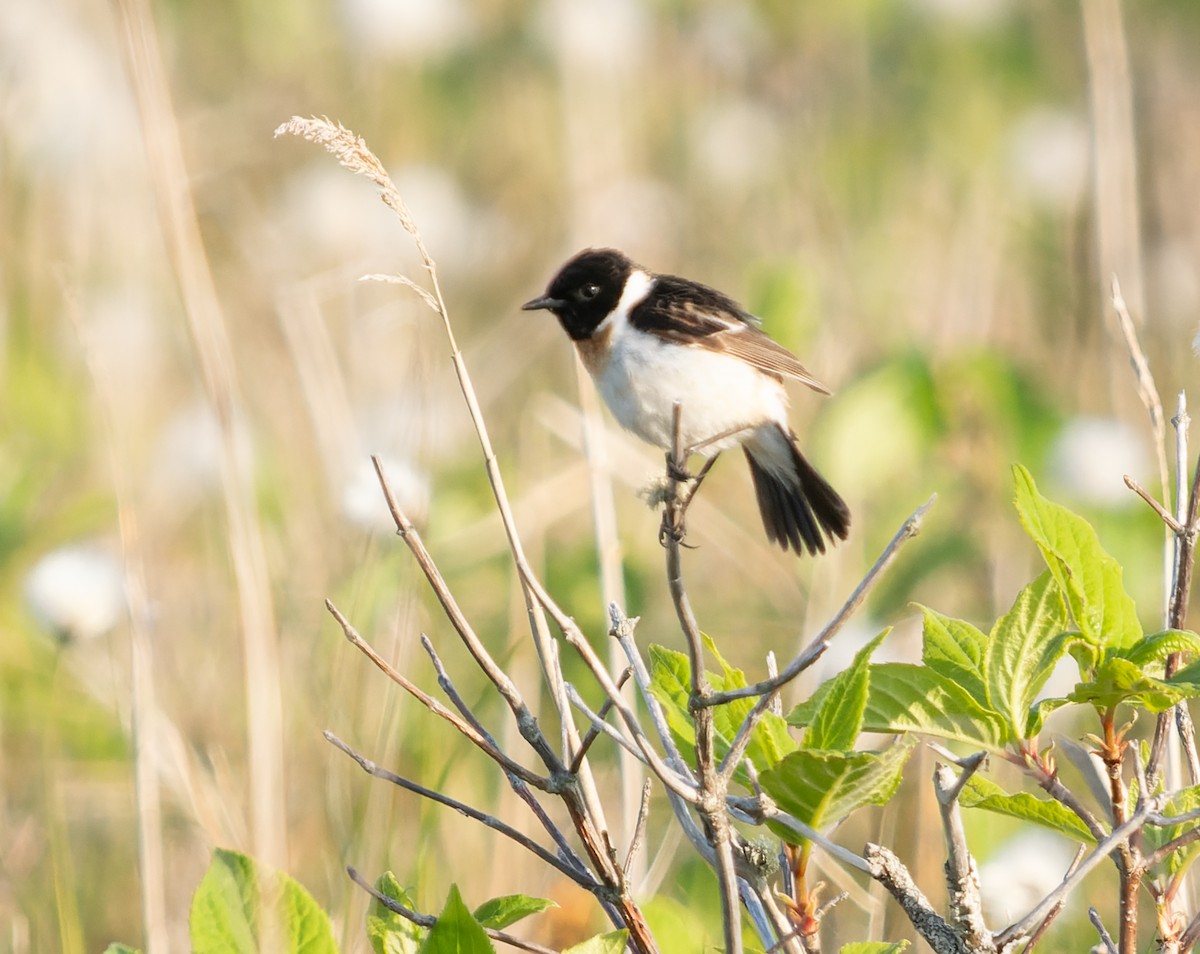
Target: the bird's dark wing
(689, 313)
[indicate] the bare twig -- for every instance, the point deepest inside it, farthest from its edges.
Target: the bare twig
(428, 920)
(1163, 514)
(470, 812)
(1117, 839)
(1055, 911)
(480, 739)
(888, 870)
(639, 830)
(599, 725)
(1105, 937)
(518, 784)
(621, 628)
(813, 651)
(594, 730)
(713, 784)
(962, 875)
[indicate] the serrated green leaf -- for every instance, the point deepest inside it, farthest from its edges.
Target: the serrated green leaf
(874, 947)
(821, 787)
(508, 909)
(670, 681)
(1090, 579)
(1118, 681)
(226, 912)
(612, 943)
(1022, 650)
(387, 931)
(838, 720)
(902, 697)
(456, 931)
(955, 649)
(1156, 647)
(980, 792)
(1185, 800)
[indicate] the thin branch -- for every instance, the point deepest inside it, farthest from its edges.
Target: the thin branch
(621, 628)
(962, 875)
(889, 871)
(672, 779)
(594, 730)
(599, 725)
(639, 829)
(1116, 840)
(713, 785)
(371, 768)
(428, 920)
(1105, 937)
(1049, 782)
(813, 651)
(760, 809)
(1055, 911)
(1163, 514)
(480, 739)
(517, 784)
(526, 722)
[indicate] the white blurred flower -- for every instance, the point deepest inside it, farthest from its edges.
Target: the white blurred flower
(66, 101)
(458, 232)
(604, 36)
(1022, 873)
(737, 143)
(188, 461)
(1091, 456)
(1049, 153)
(363, 502)
(331, 217)
(406, 28)
(637, 214)
(76, 592)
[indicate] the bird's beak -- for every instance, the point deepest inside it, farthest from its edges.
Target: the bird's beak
(545, 302)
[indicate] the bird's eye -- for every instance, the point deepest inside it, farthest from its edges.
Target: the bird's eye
(589, 291)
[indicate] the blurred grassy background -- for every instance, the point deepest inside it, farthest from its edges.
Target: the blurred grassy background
(903, 191)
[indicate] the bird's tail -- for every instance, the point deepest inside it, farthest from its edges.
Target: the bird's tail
(799, 508)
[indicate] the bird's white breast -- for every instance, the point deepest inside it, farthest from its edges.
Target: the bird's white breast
(644, 376)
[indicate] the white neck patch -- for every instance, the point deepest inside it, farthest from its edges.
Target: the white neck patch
(637, 287)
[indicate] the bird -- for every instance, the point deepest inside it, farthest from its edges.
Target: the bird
(650, 341)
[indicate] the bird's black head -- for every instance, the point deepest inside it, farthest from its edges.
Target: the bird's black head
(585, 290)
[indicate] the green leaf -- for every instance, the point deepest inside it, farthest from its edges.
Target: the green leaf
(955, 649)
(1118, 680)
(612, 943)
(982, 793)
(1185, 800)
(226, 910)
(902, 697)
(1156, 647)
(1089, 578)
(118, 948)
(874, 947)
(839, 718)
(1022, 650)
(455, 931)
(1038, 712)
(821, 787)
(389, 932)
(670, 680)
(501, 912)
